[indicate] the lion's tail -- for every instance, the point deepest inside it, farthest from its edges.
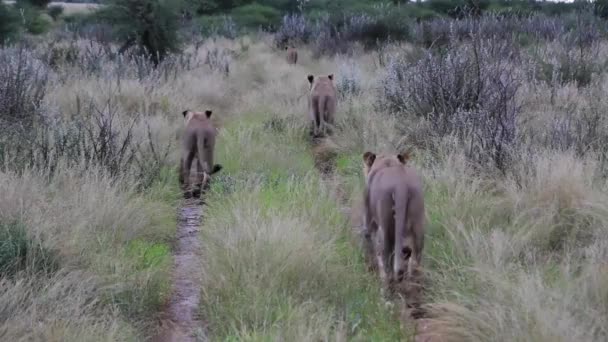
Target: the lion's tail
(316, 110)
(404, 239)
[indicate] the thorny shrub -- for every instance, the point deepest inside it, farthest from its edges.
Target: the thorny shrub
(349, 80)
(468, 92)
(219, 59)
(294, 29)
(34, 135)
(574, 57)
(94, 136)
(23, 80)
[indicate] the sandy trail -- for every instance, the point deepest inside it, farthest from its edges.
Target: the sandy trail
(182, 322)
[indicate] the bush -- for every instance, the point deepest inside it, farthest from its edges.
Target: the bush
(19, 253)
(294, 29)
(9, 23)
(59, 55)
(256, 15)
(336, 34)
(35, 3)
(374, 31)
(92, 138)
(223, 26)
(33, 21)
(219, 60)
(575, 56)
(37, 25)
(468, 92)
(23, 80)
(349, 80)
(151, 25)
(601, 8)
(55, 11)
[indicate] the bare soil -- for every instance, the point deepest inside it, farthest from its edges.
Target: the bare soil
(181, 321)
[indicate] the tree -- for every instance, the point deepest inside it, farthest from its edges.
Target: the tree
(36, 3)
(151, 25)
(601, 8)
(9, 23)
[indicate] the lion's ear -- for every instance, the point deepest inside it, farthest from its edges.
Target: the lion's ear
(405, 156)
(310, 78)
(330, 76)
(208, 113)
(184, 113)
(369, 158)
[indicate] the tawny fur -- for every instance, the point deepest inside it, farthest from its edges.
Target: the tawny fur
(292, 55)
(394, 206)
(322, 102)
(198, 142)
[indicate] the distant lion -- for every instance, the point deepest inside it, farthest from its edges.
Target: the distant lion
(292, 55)
(322, 103)
(198, 141)
(394, 206)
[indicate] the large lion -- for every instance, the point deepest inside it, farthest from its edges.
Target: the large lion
(394, 206)
(292, 55)
(322, 103)
(198, 141)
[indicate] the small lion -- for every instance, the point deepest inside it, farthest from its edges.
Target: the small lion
(198, 141)
(292, 55)
(394, 205)
(322, 103)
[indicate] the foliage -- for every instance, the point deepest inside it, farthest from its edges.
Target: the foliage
(255, 15)
(468, 92)
(151, 25)
(55, 11)
(9, 23)
(32, 19)
(18, 252)
(601, 8)
(36, 3)
(23, 80)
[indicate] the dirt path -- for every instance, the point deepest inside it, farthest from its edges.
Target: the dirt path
(181, 321)
(412, 290)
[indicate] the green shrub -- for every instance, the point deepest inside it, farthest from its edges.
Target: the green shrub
(151, 25)
(37, 25)
(19, 253)
(33, 21)
(35, 3)
(218, 25)
(256, 15)
(9, 23)
(601, 8)
(55, 11)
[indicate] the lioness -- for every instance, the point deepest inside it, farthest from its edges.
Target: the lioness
(292, 55)
(321, 103)
(394, 205)
(198, 141)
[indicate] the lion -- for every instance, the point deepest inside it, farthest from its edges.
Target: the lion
(198, 141)
(394, 206)
(292, 55)
(322, 103)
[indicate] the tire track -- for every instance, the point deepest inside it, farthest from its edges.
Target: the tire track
(181, 321)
